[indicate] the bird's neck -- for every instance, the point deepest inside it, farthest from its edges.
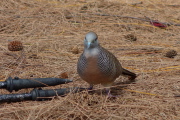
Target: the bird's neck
(89, 53)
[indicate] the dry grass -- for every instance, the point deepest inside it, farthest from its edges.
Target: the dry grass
(49, 37)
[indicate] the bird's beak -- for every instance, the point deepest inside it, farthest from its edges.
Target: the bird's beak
(88, 45)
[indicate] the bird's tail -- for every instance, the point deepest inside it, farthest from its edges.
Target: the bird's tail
(131, 75)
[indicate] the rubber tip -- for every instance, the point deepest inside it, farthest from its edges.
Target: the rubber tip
(68, 81)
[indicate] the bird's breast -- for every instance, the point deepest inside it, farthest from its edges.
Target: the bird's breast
(92, 73)
(92, 61)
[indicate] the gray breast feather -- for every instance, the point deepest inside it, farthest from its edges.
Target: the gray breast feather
(82, 63)
(108, 63)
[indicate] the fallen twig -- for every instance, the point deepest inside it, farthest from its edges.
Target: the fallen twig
(174, 5)
(177, 96)
(15, 56)
(165, 23)
(143, 52)
(137, 3)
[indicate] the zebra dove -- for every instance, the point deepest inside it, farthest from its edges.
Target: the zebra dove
(96, 65)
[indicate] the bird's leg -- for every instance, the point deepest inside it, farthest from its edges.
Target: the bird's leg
(90, 87)
(108, 90)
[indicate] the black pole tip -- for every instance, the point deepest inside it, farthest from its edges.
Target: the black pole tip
(68, 81)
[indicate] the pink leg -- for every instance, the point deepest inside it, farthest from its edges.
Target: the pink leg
(110, 95)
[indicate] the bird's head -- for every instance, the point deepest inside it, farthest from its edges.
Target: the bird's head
(91, 40)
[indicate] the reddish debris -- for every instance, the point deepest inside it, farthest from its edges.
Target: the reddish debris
(158, 24)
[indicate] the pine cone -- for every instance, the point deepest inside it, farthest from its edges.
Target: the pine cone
(15, 46)
(171, 54)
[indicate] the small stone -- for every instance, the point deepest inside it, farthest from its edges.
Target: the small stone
(34, 56)
(84, 8)
(67, 14)
(131, 37)
(75, 50)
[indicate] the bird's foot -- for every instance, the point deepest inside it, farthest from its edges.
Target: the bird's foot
(90, 89)
(110, 95)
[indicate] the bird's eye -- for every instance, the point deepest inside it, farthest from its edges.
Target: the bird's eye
(94, 40)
